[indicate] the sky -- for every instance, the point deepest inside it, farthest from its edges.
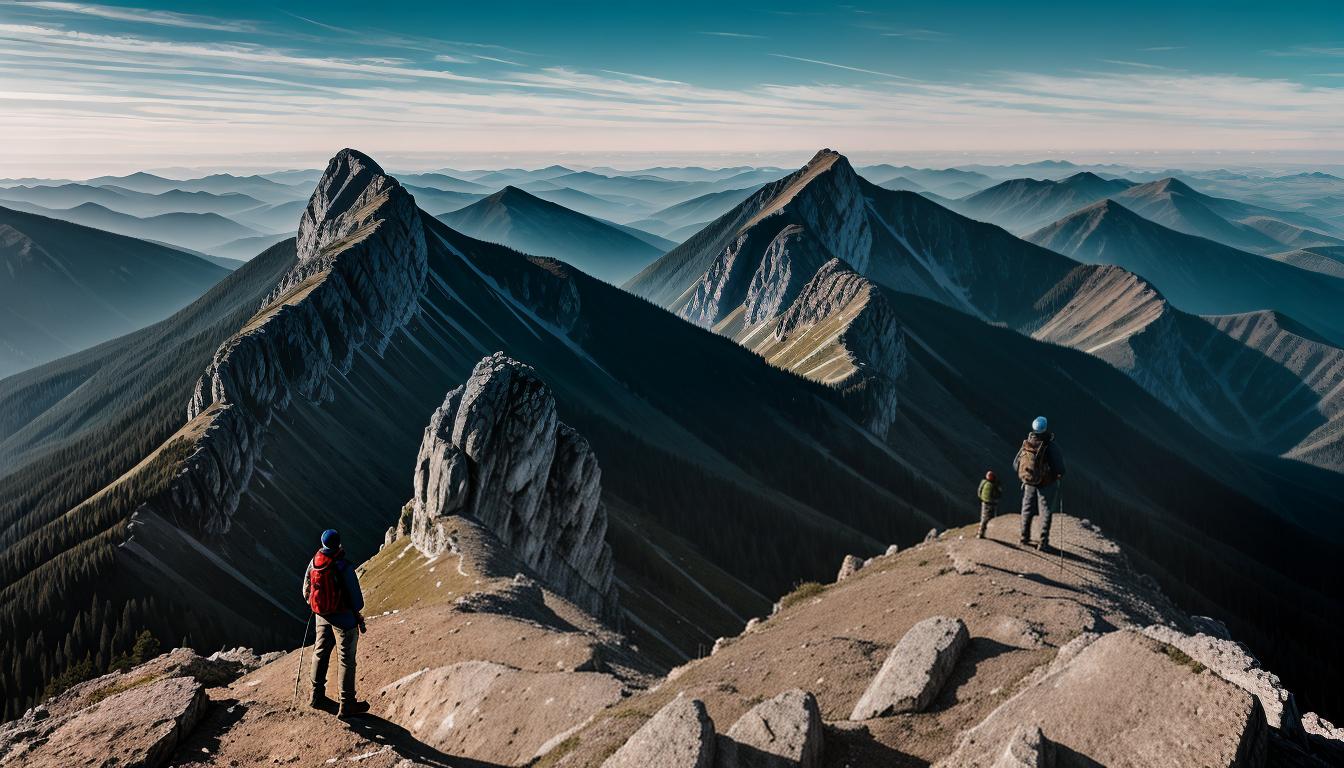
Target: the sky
(104, 87)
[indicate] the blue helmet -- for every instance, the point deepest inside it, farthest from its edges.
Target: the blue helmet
(331, 538)
(1040, 424)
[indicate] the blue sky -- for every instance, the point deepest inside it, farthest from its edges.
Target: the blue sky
(153, 84)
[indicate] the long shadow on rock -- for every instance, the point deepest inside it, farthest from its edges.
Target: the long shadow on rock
(856, 746)
(385, 732)
(977, 652)
(205, 737)
(1072, 758)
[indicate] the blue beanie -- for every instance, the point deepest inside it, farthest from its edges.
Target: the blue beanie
(331, 538)
(1039, 425)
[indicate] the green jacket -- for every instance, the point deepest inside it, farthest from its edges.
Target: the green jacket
(989, 492)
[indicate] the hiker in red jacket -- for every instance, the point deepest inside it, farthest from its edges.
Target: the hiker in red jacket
(332, 590)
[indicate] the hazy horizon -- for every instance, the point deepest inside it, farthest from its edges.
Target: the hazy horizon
(96, 88)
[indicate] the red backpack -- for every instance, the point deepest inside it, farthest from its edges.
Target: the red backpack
(326, 585)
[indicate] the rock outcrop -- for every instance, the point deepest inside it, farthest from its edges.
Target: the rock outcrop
(495, 451)
(680, 735)
(915, 670)
(848, 567)
(783, 732)
(360, 273)
(1126, 700)
(132, 718)
(1229, 660)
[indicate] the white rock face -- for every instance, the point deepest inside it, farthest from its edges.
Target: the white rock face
(848, 567)
(915, 670)
(1231, 661)
(680, 735)
(783, 732)
(495, 451)
(360, 273)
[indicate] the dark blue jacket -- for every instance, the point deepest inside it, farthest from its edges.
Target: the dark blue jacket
(342, 619)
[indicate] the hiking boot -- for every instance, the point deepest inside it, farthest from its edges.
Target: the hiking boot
(320, 701)
(979, 534)
(1044, 546)
(353, 709)
(1024, 542)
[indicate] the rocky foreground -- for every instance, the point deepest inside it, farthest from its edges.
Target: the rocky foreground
(956, 652)
(490, 642)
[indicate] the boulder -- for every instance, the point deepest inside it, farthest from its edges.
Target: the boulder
(892, 549)
(1231, 661)
(485, 711)
(848, 567)
(680, 735)
(932, 535)
(1127, 701)
(138, 727)
(784, 732)
(915, 670)
(1026, 748)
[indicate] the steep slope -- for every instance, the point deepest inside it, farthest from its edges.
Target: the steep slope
(1198, 275)
(1327, 260)
(724, 478)
(527, 223)
(1269, 342)
(68, 287)
(1024, 205)
(1172, 203)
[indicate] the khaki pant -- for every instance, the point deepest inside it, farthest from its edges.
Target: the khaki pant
(328, 637)
(987, 511)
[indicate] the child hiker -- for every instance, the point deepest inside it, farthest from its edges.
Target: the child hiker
(989, 494)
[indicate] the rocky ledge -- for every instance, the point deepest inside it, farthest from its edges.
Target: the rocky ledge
(360, 272)
(495, 451)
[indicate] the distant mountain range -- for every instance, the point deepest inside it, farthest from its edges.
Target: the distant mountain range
(529, 224)
(895, 351)
(68, 287)
(1024, 205)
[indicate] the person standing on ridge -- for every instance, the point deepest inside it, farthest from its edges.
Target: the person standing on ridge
(1039, 463)
(988, 494)
(331, 589)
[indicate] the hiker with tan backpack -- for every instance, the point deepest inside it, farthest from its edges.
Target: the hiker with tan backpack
(1039, 464)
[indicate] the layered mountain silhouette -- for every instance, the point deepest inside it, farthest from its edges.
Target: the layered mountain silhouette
(1197, 275)
(196, 231)
(173, 478)
(67, 287)
(1024, 205)
(527, 223)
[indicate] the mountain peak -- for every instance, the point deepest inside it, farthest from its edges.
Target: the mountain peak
(1171, 185)
(350, 191)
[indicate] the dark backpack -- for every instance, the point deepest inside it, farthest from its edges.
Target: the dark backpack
(1033, 463)
(326, 585)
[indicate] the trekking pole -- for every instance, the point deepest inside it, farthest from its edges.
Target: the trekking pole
(298, 673)
(1058, 547)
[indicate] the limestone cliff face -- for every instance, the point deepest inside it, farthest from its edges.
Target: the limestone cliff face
(495, 451)
(360, 272)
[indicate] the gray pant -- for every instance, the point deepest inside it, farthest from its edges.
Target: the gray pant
(329, 636)
(1033, 498)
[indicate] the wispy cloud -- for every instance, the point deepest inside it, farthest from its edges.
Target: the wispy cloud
(740, 35)
(1309, 50)
(1138, 64)
(838, 66)
(1163, 48)
(139, 15)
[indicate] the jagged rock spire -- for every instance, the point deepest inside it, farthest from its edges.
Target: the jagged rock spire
(496, 452)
